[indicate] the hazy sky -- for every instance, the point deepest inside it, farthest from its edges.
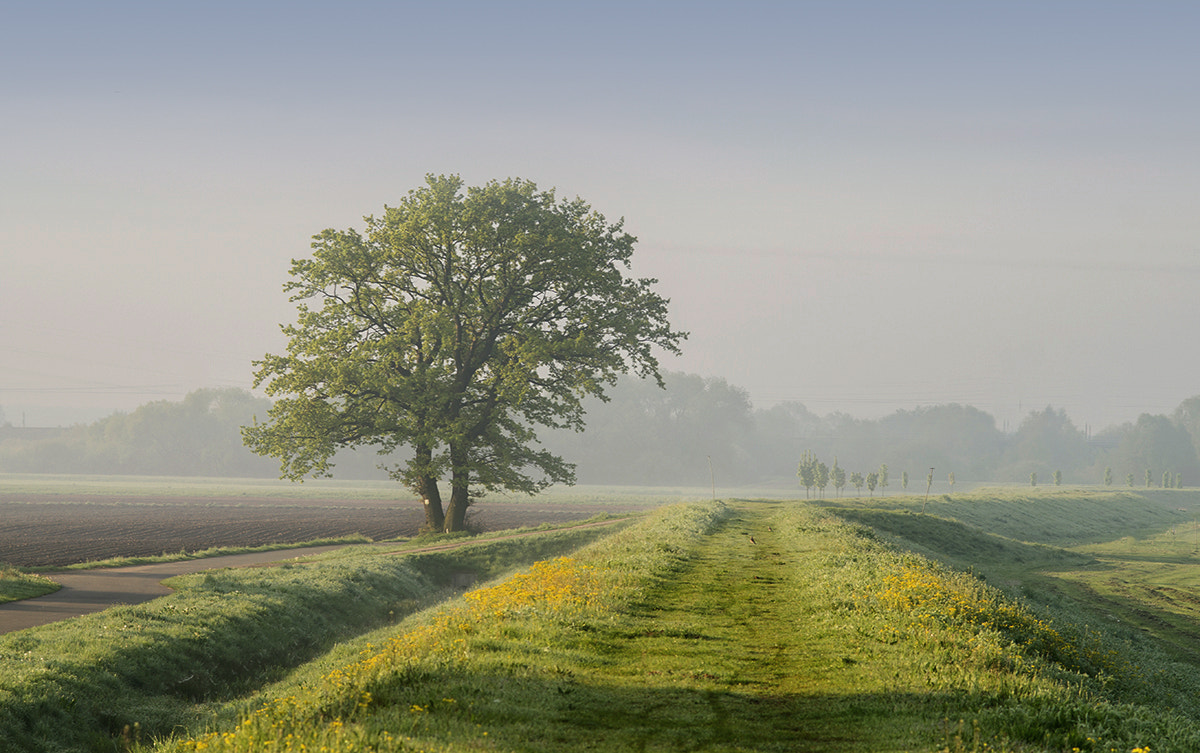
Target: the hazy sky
(859, 206)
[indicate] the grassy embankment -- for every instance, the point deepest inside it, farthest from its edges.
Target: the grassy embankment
(198, 554)
(683, 634)
(16, 585)
(90, 683)
(1129, 557)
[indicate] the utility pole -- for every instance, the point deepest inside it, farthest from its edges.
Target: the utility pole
(712, 477)
(928, 486)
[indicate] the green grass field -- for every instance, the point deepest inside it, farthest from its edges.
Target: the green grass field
(998, 620)
(16, 585)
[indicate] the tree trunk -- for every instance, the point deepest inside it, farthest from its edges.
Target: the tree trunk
(456, 513)
(431, 496)
(460, 488)
(427, 487)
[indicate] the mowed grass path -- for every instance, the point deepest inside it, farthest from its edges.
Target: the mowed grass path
(748, 627)
(719, 643)
(741, 650)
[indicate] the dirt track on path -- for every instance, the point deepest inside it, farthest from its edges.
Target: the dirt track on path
(87, 591)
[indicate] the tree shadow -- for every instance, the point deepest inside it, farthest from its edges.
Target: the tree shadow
(960, 544)
(546, 713)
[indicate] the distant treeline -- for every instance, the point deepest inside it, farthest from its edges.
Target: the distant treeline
(197, 436)
(647, 435)
(695, 430)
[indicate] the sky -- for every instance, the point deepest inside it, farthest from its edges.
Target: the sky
(860, 206)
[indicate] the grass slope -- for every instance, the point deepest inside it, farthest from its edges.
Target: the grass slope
(86, 684)
(1067, 517)
(16, 585)
(218, 551)
(682, 633)
(748, 626)
(1128, 559)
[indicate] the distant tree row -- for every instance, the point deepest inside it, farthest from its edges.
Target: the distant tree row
(1169, 480)
(814, 473)
(646, 435)
(196, 436)
(680, 435)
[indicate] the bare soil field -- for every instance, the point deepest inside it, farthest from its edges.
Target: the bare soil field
(51, 530)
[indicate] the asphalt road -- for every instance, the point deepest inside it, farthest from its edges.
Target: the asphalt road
(86, 591)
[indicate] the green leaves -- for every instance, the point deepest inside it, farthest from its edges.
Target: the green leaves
(461, 319)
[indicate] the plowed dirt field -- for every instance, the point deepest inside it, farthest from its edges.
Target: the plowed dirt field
(48, 530)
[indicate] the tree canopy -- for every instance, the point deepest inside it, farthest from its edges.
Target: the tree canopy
(458, 323)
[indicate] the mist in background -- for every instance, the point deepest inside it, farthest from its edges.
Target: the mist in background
(862, 207)
(695, 432)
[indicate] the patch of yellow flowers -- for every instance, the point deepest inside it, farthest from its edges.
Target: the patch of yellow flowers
(558, 585)
(932, 595)
(317, 721)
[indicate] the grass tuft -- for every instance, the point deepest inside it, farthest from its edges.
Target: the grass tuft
(16, 585)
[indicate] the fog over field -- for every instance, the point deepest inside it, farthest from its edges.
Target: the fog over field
(859, 206)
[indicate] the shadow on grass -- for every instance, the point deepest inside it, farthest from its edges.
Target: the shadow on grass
(551, 714)
(960, 544)
(224, 634)
(1147, 558)
(69, 685)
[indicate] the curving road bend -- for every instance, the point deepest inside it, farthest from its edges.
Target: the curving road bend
(87, 591)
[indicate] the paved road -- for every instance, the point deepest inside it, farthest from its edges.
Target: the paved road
(86, 591)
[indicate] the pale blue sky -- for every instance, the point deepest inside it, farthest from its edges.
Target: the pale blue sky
(860, 206)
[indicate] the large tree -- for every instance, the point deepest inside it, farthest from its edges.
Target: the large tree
(1187, 415)
(1047, 440)
(458, 323)
(1156, 442)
